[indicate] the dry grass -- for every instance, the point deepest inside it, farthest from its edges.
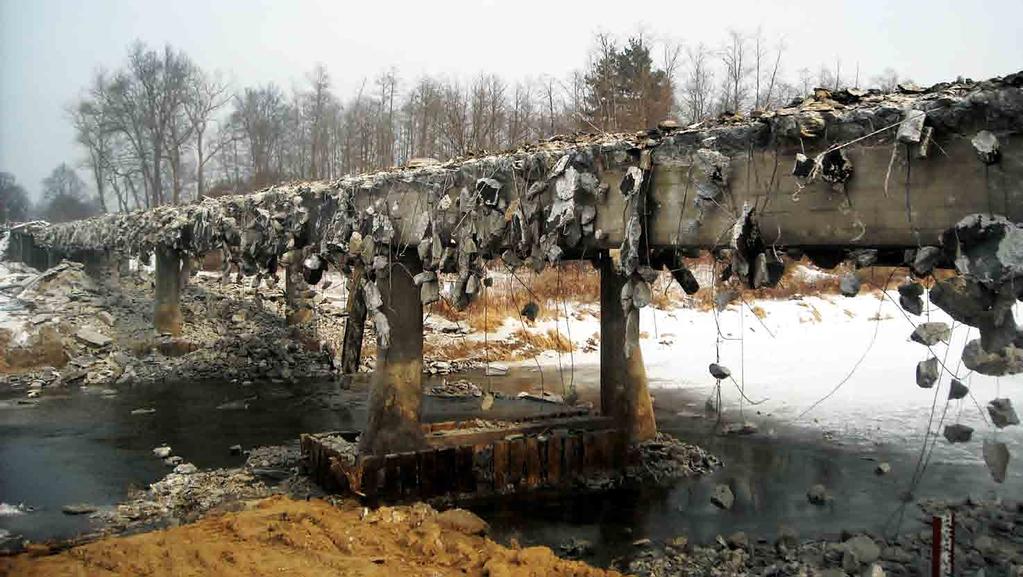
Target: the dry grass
(550, 289)
(552, 340)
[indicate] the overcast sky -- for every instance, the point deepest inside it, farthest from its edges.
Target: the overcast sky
(49, 49)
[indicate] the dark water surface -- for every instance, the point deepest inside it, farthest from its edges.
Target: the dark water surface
(81, 446)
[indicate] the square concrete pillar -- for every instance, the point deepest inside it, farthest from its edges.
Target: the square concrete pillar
(167, 306)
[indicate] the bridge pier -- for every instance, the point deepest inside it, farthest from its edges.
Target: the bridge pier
(396, 396)
(298, 309)
(355, 323)
(624, 395)
(167, 307)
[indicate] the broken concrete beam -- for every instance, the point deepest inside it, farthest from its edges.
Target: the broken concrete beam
(507, 196)
(355, 323)
(912, 126)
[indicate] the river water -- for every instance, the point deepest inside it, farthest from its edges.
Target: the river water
(84, 446)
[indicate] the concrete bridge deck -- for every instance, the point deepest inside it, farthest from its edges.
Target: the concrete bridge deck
(832, 174)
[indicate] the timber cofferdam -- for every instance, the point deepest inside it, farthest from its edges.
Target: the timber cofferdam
(922, 177)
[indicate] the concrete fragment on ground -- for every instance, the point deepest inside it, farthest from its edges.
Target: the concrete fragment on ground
(92, 337)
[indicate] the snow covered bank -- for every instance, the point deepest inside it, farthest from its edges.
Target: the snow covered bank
(799, 352)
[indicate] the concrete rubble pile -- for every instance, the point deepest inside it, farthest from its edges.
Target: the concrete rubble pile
(987, 539)
(69, 329)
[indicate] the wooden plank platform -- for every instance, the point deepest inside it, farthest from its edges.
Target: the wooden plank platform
(465, 460)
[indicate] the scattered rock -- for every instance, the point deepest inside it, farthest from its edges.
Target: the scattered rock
(235, 449)
(463, 521)
(864, 548)
(738, 540)
(92, 337)
(143, 412)
(882, 469)
(185, 469)
(78, 509)
(162, 452)
(722, 497)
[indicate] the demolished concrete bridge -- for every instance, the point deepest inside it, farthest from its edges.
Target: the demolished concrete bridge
(846, 175)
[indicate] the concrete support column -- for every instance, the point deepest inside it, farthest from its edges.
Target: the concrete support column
(97, 264)
(396, 396)
(623, 384)
(298, 309)
(355, 324)
(167, 309)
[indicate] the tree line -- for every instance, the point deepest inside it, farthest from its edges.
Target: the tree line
(160, 130)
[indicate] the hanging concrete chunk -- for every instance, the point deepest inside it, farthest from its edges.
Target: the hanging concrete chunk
(641, 294)
(803, 166)
(930, 334)
(530, 311)
(849, 284)
(719, 372)
(996, 457)
(686, 279)
(909, 297)
(926, 258)
(722, 498)
(957, 390)
(836, 168)
(1002, 413)
(911, 127)
(429, 292)
(927, 373)
(1005, 361)
(958, 433)
(985, 143)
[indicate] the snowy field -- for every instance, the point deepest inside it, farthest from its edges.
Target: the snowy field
(801, 350)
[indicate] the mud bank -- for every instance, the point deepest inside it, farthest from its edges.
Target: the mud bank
(310, 538)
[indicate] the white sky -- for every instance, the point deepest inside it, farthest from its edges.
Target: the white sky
(49, 48)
